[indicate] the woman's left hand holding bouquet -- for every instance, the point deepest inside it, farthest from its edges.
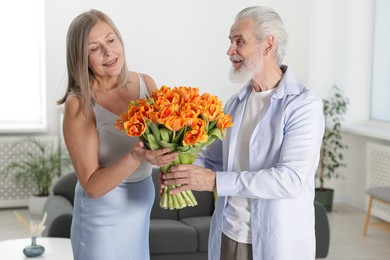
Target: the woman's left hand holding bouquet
(160, 157)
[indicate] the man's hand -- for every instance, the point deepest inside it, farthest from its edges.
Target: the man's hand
(190, 177)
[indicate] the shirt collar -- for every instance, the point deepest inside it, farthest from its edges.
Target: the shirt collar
(288, 85)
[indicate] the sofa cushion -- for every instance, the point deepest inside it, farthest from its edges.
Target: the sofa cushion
(65, 186)
(205, 205)
(202, 226)
(172, 236)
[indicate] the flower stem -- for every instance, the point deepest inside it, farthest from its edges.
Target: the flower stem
(164, 198)
(182, 199)
(192, 197)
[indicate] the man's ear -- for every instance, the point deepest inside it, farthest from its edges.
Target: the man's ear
(269, 45)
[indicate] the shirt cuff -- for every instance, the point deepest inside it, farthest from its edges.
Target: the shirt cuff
(226, 183)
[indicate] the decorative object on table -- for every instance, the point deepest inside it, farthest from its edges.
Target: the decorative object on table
(35, 230)
(178, 118)
(39, 165)
(34, 249)
(332, 147)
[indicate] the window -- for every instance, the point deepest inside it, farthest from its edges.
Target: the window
(22, 86)
(380, 92)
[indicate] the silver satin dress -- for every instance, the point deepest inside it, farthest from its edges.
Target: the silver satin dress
(116, 225)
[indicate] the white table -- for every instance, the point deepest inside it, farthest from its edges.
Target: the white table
(55, 249)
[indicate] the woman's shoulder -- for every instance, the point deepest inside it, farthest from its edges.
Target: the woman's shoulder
(73, 103)
(73, 99)
(74, 109)
(133, 75)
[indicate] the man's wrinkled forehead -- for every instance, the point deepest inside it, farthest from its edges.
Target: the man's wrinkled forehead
(241, 28)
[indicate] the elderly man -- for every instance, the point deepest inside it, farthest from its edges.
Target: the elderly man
(263, 172)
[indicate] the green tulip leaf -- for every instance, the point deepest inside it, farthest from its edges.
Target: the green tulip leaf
(164, 132)
(216, 132)
(172, 146)
(153, 145)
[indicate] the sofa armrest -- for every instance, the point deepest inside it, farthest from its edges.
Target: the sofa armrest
(61, 226)
(322, 230)
(56, 206)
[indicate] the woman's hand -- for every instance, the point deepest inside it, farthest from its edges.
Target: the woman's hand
(190, 177)
(160, 157)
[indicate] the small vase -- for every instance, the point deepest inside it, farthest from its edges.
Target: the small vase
(33, 250)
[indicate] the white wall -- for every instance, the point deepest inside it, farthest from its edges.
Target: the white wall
(181, 42)
(176, 42)
(340, 38)
(340, 50)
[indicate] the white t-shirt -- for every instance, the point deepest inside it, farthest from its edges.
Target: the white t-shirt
(237, 216)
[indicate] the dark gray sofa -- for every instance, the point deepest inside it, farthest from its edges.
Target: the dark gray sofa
(174, 234)
(180, 234)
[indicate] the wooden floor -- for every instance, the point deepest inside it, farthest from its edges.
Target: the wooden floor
(347, 241)
(346, 222)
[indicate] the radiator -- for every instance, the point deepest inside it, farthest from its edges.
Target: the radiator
(12, 194)
(378, 174)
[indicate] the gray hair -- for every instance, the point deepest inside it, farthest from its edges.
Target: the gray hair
(80, 77)
(268, 23)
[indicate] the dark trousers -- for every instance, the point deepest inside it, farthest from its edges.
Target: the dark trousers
(233, 250)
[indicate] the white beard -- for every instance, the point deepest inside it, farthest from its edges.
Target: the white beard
(248, 69)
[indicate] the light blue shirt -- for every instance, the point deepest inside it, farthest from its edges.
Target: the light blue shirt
(283, 157)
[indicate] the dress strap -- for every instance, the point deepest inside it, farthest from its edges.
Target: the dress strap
(143, 91)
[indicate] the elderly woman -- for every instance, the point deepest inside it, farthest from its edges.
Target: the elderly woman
(115, 192)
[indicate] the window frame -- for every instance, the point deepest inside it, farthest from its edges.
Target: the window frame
(376, 92)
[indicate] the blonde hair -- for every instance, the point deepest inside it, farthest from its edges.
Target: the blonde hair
(80, 77)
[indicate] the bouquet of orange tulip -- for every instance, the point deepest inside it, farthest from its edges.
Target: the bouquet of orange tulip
(180, 119)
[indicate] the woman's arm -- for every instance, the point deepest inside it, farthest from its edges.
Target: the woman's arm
(82, 143)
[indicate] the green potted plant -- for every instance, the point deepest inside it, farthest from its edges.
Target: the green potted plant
(39, 166)
(332, 147)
